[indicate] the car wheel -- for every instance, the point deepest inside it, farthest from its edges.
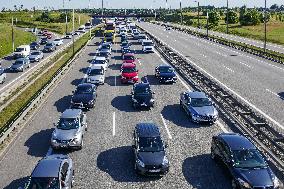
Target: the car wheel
(73, 180)
(82, 144)
(180, 104)
(134, 106)
(86, 127)
(29, 66)
(234, 184)
(213, 156)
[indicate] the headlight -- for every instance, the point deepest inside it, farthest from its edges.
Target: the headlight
(91, 102)
(136, 77)
(134, 100)
(275, 182)
(140, 163)
(75, 140)
(152, 100)
(195, 115)
(165, 161)
(123, 77)
(243, 183)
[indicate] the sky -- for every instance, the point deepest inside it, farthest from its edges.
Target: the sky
(57, 4)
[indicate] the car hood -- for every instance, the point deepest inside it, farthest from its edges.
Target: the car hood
(84, 98)
(34, 56)
(61, 134)
(96, 77)
(16, 65)
(255, 177)
(151, 158)
(129, 61)
(167, 74)
(143, 98)
(132, 74)
(104, 50)
(205, 110)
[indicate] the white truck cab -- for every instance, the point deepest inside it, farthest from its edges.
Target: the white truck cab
(147, 46)
(22, 51)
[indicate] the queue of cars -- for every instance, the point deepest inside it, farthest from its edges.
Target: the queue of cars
(244, 162)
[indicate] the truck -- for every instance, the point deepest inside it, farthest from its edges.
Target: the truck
(22, 51)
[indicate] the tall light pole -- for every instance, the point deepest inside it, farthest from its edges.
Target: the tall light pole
(227, 20)
(181, 19)
(198, 12)
(207, 21)
(13, 37)
(73, 30)
(102, 10)
(265, 27)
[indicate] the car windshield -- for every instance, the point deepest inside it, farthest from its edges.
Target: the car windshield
(84, 89)
(110, 27)
(105, 47)
(248, 158)
(88, 24)
(103, 54)
(129, 57)
(94, 72)
(34, 43)
(166, 70)
(129, 70)
(68, 123)
(108, 34)
(98, 62)
(19, 49)
(142, 37)
(150, 144)
(200, 102)
(57, 39)
(68, 33)
(18, 62)
(49, 44)
(148, 44)
(43, 183)
(142, 89)
(35, 53)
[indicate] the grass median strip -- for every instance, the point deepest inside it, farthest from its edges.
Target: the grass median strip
(15, 107)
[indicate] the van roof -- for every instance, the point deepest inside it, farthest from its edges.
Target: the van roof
(23, 46)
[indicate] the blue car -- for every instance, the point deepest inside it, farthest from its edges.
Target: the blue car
(245, 164)
(165, 74)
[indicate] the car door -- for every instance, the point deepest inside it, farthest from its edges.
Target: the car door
(135, 143)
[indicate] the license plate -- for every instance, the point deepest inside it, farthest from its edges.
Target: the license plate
(154, 170)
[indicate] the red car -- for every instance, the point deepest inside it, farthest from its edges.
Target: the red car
(129, 58)
(48, 35)
(129, 73)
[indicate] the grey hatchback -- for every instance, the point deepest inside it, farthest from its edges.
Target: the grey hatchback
(52, 172)
(69, 130)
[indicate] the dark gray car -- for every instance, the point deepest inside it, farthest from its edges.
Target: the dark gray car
(52, 172)
(70, 129)
(20, 65)
(198, 106)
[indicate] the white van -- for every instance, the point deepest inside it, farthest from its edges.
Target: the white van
(22, 51)
(82, 29)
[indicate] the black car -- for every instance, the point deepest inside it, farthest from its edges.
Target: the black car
(142, 95)
(245, 164)
(165, 74)
(49, 47)
(43, 40)
(84, 97)
(149, 150)
(34, 45)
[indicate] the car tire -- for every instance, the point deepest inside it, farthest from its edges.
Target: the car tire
(73, 181)
(81, 145)
(86, 127)
(234, 184)
(213, 156)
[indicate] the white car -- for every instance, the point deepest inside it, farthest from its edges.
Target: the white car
(96, 75)
(142, 37)
(58, 41)
(100, 61)
(147, 46)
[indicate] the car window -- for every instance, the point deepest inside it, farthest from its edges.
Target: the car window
(150, 144)
(248, 158)
(166, 69)
(94, 72)
(64, 170)
(68, 123)
(200, 102)
(129, 70)
(84, 89)
(43, 183)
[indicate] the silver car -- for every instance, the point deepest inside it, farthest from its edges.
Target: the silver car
(36, 56)
(53, 171)
(198, 106)
(70, 130)
(96, 75)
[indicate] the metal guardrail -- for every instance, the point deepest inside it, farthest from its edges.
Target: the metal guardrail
(239, 115)
(269, 54)
(23, 111)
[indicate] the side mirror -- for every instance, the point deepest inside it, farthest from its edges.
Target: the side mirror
(154, 92)
(132, 92)
(166, 145)
(54, 124)
(133, 146)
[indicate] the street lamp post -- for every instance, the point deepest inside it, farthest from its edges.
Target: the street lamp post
(73, 31)
(265, 28)
(13, 37)
(181, 19)
(207, 22)
(198, 12)
(227, 20)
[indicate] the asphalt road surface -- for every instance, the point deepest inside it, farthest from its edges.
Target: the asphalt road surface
(107, 160)
(252, 79)
(257, 43)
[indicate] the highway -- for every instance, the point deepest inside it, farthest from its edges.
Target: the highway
(13, 77)
(107, 160)
(257, 43)
(256, 81)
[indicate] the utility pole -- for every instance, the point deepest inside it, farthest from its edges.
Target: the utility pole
(66, 20)
(181, 19)
(73, 32)
(198, 13)
(13, 38)
(265, 27)
(227, 20)
(102, 10)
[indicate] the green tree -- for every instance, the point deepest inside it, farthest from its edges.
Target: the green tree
(232, 17)
(251, 17)
(62, 17)
(213, 18)
(262, 17)
(45, 17)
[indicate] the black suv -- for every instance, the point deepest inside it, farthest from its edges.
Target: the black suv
(149, 150)
(165, 74)
(84, 97)
(142, 95)
(245, 164)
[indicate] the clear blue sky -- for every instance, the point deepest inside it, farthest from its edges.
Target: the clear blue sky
(131, 3)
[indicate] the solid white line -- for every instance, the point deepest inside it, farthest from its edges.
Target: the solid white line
(49, 152)
(245, 65)
(166, 127)
(228, 69)
(113, 124)
(274, 94)
(222, 126)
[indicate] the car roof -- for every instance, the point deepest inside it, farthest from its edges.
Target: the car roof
(71, 113)
(165, 66)
(128, 65)
(141, 84)
(95, 67)
(147, 130)
(47, 167)
(129, 54)
(100, 58)
(23, 46)
(20, 59)
(147, 40)
(236, 141)
(196, 94)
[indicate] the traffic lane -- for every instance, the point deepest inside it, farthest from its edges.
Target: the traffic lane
(108, 160)
(34, 141)
(254, 84)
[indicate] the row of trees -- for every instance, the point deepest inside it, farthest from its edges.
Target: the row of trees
(47, 17)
